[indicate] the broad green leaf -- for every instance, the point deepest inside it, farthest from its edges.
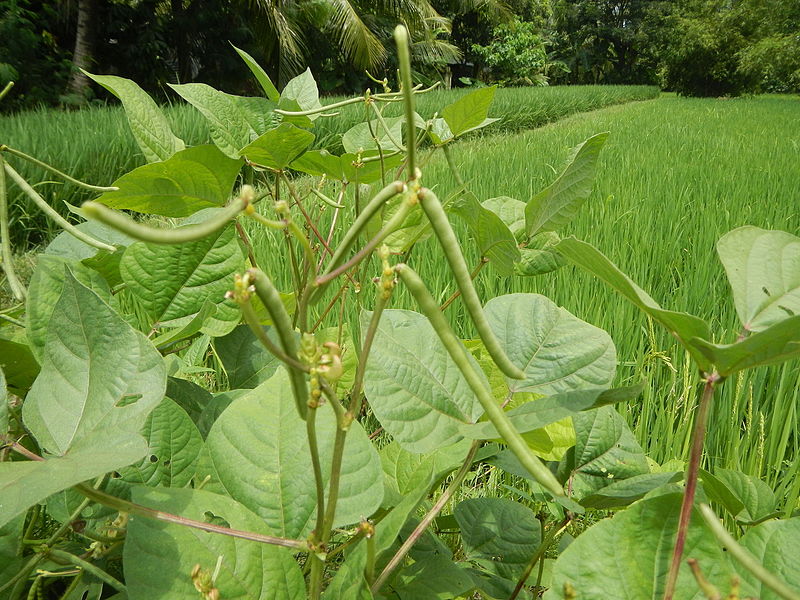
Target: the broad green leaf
(159, 557)
(302, 90)
(261, 75)
(629, 555)
(494, 587)
(439, 132)
(776, 545)
(173, 282)
(150, 127)
(193, 179)
(191, 328)
(17, 359)
(10, 549)
(413, 386)
(682, 325)
(469, 112)
(349, 582)
(492, 237)
(763, 269)
(98, 374)
(745, 497)
(259, 447)
(541, 412)
(362, 136)
(191, 397)
(246, 361)
(557, 351)
(68, 246)
(499, 534)
(218, 403)
(435, 578)
(25, 483)
(405, 471)
(605, 452)
(540, 257)
(625, 492)
(510, 210)
(278, 147)
(174, 443)
(229, 126)
(557, 205)
(776, 344)
(46, 286)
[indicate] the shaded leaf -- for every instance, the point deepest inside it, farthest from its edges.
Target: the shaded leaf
(432, 579)
(278, 147)
(510, 210)
(625, 492)
(247, 363)
(359, 137)
(776, 546)
(492, 237)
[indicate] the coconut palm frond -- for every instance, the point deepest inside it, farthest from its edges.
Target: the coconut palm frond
(434, 51)
(358, 42)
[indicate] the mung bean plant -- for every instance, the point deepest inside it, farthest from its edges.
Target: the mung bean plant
(179, 421)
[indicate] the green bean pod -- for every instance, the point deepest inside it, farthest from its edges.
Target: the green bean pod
(269, 296)
(452, 251)
(17, 289)
(52, 169)
(180, 235)
(53, 214)
(404, 58)
(496, 414)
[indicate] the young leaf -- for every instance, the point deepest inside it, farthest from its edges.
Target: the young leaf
(605, 451)
(46, 287)
(540, 257)
(261, 75)
(510, 210)
(416, 391)
(149, 125)
(682, 325)
(469, 112)
(499, 534)
(556, 205)
(25, 483)
(492, 237)
(774, 544)
(557, 351)
(776, 344)
(278, 147)
(98, 374)
(628, 556)
(360, 138)
(159, 557)
(264, 464)
(229, 126)
(747, 498)
(173, 282)
(247, 363)
(193, 179)
(302, 90)
(346, 167)
(763, 269)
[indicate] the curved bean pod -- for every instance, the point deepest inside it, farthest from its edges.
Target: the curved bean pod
(269, 296)
(457, 352)
(452, 251)
(180, 235)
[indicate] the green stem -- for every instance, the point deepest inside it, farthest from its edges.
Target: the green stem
(404, 58)
(6, 89)
(52, 169)
(452, 251)
(89, 568)
(17, 289)
(180, 235)
(546, 542)
(365, 215)
(427, 519)
(369, 569)
(269, 296)
(311, 433)
(744, 557)
(494, 412)
(51, 212)
(692, 473)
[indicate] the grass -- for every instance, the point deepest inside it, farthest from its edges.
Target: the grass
(676, 175)
(96, 145)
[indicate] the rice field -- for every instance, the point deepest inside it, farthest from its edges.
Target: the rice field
(96, 145)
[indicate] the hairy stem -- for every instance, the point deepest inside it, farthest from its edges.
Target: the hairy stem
(692, 473)
(427, 519)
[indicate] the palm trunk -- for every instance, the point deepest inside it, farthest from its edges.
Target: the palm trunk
(82, 55)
